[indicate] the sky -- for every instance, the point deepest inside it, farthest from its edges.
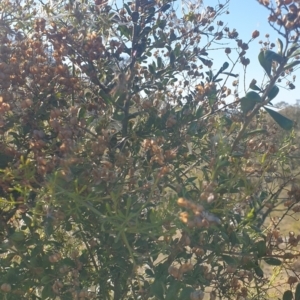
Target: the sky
(247, 16)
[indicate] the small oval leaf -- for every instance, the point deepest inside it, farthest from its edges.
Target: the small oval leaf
(225, 66)
(253, 96)
(264, 62)
(229, 260)
(297, 292)
(128, 9)
(261, 248)
(259, 272)
(165, 7)
(273, 92)
(17, 236)
(271, 55)
(247, 105)
(273, 261)
(253, 86)
(288, 295)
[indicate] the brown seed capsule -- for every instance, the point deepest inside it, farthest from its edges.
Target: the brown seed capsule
(173, 271)
(255, 34)
(186, 267)
(292, 280)
(5, 287)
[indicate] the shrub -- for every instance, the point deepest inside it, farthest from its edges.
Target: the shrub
(125, 173)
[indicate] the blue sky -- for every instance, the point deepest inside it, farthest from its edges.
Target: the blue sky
(247, 16)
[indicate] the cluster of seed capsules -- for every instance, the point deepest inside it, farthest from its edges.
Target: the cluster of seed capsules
(291, 19)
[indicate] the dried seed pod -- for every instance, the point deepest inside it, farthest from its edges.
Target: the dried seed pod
(186, 268)
(255, 34)
(173, 271)
(5, 287)
(292, 280)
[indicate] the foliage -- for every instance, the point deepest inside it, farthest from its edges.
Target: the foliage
(125, 173)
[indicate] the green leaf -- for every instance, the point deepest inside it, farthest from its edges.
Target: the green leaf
(255, 132)
(292, 49)
(253, 96)
(261, 248)
(288, 295)
(17, 236)
(273, 261)
(292, 64)
(177, 50)
(206, 62)
(125, 31)
(191, 179)
(159, 62)
(81, 113)
(249, 101)
(233, 238)
(229, 260)
(157, 289)
(273, 92)
(173, 290)
(210, 75)
(271, 55)
(127, 8)
(225, 66)
(105, 97)
(265, 63)
(259, 272)
(281, 120)
(297, 292)
(250, 217)
(254, 87)
(151, 69)
(279, 46)
(295, 53)
(145, 31)
(199, 112)
(165, 7)
(47, 292)
(46, 279)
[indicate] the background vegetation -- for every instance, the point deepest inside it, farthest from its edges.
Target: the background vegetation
(125, 172)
